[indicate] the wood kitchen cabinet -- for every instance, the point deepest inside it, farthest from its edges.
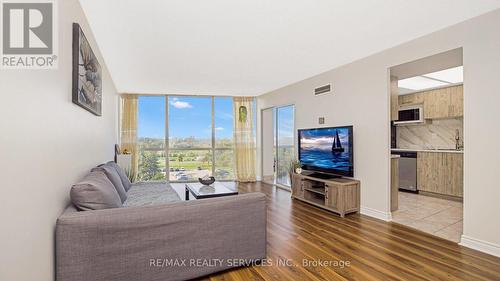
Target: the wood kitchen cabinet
(454, 168)
(440, 173)
(456, 101)
(394, 98)
(411, 99)
(394, 183)
(443, 103)
(438, 103)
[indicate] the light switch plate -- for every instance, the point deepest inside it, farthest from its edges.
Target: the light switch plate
(321, 120)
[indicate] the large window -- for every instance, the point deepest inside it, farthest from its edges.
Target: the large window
(189, 137)
(151, 138)
(198, 141)
(223, 131)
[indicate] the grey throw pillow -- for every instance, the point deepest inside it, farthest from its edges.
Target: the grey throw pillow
(125, 181)
(95, 192)
(115, 179)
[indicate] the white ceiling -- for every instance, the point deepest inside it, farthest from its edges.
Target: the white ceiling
(237, 47)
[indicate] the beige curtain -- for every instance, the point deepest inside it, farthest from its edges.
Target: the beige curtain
(129, 130)
(244, 141)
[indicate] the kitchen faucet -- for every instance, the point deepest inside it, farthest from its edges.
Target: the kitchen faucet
(458, 145)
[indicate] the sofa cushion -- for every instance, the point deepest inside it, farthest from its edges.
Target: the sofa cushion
(125, 181)
(150, 193)
(113, 176)
(95, 192)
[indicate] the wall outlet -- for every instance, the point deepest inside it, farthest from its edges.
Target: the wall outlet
(321, 120)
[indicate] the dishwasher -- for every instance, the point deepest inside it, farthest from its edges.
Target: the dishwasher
(407, 170)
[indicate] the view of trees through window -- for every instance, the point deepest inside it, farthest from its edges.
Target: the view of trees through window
(285, 148)
(200, 138)
(151, 138)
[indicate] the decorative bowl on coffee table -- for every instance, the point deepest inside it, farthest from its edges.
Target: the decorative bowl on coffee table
(208, 181)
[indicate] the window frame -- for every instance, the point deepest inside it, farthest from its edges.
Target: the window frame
(213, 148)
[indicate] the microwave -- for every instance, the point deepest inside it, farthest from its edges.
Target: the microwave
(410, 115)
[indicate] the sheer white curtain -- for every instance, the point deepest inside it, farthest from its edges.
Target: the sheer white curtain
(244, 140)
(128, 131)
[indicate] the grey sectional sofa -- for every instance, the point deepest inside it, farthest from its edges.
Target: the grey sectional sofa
(153, 235)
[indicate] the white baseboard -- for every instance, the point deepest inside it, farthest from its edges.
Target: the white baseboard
(385, 216)
(480, 245)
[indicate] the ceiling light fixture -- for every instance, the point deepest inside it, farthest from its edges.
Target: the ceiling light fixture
(451, 75)
(420, 83)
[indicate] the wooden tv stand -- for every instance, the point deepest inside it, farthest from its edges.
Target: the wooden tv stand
(339, 195)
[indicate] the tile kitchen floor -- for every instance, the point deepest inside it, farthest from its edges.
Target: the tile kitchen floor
(437, 216)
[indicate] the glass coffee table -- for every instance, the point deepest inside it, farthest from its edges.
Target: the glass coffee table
(216, 189)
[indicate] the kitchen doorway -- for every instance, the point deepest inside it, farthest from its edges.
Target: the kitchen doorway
(427, 145)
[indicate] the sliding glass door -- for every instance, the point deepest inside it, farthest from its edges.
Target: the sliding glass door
(285, 143)
(278, 144)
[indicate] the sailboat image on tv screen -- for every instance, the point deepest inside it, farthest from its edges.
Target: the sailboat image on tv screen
(337, 146)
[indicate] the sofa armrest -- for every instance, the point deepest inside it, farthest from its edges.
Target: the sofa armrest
(175, 241)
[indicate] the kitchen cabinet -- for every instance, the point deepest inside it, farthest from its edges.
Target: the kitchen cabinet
(440, 173)
(411, 99)
(438, 103)
(456, 101)
(443, 103)
(394, 183)
(394, 98)
(454, 171)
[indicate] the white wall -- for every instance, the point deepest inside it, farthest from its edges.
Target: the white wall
(46, 144)
(361, 98)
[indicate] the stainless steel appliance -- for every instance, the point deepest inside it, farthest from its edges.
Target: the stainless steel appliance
(410, 115)
(407, 170)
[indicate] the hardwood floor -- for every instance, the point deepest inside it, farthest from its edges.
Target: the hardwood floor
(370, 249)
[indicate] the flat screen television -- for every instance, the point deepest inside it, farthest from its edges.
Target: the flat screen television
(327, 150)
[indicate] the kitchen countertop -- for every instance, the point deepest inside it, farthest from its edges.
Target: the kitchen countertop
(426, 150)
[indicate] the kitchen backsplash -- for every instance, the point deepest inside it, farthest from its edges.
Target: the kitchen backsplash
(435, 134)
